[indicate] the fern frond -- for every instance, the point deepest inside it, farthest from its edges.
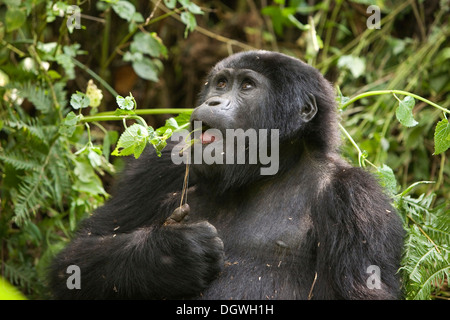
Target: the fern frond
(60, 183)
(28, 198)
(21, 275)
(34, 128)
(39, 97)
(426, 258)
(424, 267)
(19, 161)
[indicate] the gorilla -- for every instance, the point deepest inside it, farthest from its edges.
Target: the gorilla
(317, 228)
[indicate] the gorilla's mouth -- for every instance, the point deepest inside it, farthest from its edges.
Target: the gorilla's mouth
(207, 136)
(204, 132)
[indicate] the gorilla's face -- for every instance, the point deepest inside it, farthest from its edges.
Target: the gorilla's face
(233, 99)
(259, 92)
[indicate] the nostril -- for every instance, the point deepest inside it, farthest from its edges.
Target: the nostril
(214, 103)
(218, 102)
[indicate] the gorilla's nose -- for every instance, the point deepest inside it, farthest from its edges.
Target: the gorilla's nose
(218, 102)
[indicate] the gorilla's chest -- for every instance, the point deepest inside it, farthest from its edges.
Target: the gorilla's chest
(268, 241)
(268, 225)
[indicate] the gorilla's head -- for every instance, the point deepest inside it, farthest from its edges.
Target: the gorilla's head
(267, 90)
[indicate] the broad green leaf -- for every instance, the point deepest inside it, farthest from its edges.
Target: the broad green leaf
(12, 3)
(14, 19)
(179, 122)
(132, 141)
(387, 179)
(110, 138)
(404, 112)
(191, 7)
(146, 69)
(189, 20)
(276, 14)
(133, 56)
(356, 65)
(68, 127)
(442, 136)
(48, 48)
(94, 158)
(148, 43)
(124, 9)
(92, 186)
(170, 3)
(79, 100)
(138, 18)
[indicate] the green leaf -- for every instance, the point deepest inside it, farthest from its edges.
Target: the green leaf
(189, 20)
(356, 65)
(132, 141)
(146, 69)
(126, 103)
(191, 7)
(79, 100)
(387, 179)
(110, 138)
(179, 122)
(276, 14)
(94, 158)
(12, 3)
(170, 3)
(68, 126)
(159, 145)
(14, 19)
(404, 112)
(442, 136)
(124, 9)
(133, 56)
(148, 43)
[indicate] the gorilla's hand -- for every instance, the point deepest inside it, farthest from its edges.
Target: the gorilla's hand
(197, 254)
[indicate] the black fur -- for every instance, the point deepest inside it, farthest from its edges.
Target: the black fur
(310, 231)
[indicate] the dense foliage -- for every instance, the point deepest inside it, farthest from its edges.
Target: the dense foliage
(67, 114)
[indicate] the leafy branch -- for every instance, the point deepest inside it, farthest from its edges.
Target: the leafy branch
(135, 137)
(405, 117)
(381, 92)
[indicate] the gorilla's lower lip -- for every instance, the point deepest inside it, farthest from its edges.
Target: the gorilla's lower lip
(208, 133)
(206, 137)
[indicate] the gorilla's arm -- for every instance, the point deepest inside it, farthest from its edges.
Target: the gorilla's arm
(356, 228)
(124, 251)
(148, 263)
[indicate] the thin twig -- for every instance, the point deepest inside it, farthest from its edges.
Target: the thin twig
(212, 34)
(310, 295)
(147, 21)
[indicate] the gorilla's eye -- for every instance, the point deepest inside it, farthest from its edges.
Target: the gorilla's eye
(247, 84)
(221, 84)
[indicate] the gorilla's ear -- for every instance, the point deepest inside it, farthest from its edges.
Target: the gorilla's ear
(309, 108)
